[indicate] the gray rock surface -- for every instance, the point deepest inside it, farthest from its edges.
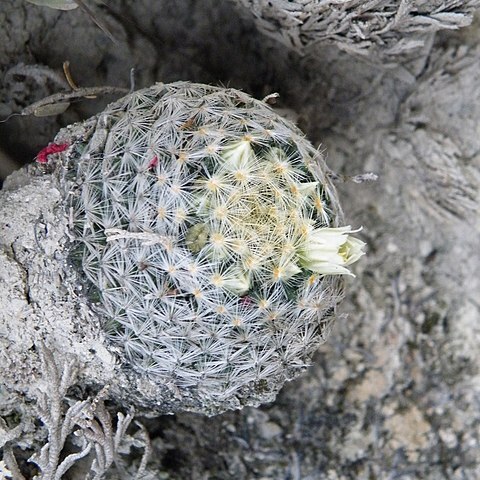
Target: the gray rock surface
(395, 393)
(382, 30)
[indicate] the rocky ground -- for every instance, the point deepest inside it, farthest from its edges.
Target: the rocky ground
(395, 392)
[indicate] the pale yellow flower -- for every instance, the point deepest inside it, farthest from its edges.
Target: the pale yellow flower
(329, 251)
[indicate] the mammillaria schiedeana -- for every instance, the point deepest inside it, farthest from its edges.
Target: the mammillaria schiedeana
(208, 237)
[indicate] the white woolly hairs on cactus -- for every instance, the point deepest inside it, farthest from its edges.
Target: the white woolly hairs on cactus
(192, 208)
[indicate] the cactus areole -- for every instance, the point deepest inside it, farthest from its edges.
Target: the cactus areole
(207, 239)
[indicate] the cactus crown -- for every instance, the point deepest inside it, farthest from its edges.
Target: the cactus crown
(191, 206)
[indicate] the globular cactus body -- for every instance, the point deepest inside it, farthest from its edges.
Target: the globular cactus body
(191, 208)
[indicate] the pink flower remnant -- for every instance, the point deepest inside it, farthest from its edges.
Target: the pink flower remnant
(50, 149)
(247, 301)
(153, 163)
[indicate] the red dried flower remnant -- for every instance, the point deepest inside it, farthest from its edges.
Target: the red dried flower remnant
(153, 163)
(50, 149)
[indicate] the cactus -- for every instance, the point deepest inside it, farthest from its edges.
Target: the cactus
(204, 229)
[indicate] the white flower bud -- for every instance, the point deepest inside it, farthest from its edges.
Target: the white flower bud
(237, 155)
(236, 282)
(286, 271)
(307, 189)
